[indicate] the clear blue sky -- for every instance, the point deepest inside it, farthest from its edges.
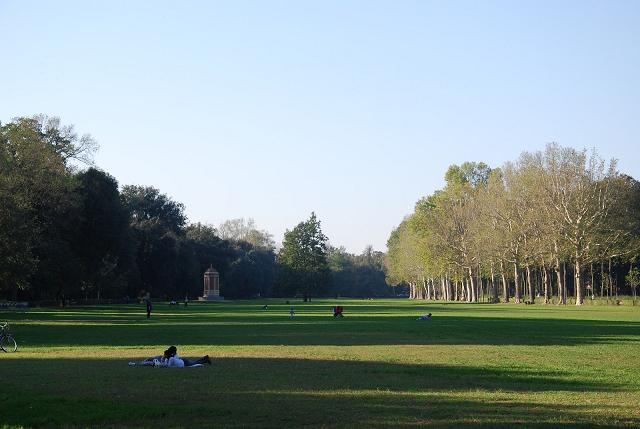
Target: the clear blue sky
(351, 109)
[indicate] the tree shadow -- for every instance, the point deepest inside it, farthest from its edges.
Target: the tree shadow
(269, 392)
(199, 329)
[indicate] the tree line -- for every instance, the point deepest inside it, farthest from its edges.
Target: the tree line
(553, 225)
(68, 231)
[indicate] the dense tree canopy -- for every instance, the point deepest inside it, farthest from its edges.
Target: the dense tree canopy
(525, 226)
(38, 204)
(359, 276)
(68, 233)
(104, 238)
(303, 259)
(241, 230)
(557, 223)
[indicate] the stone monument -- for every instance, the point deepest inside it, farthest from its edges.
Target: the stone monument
(211, 285)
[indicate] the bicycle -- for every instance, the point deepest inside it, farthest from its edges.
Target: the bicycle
(7, 343)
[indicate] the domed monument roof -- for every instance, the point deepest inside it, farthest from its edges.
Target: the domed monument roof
(211, 270)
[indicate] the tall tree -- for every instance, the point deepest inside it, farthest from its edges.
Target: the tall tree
(104, 240)
(158, 223)
(242, 229)
(38, 205)
(303, 259)
(579, 191)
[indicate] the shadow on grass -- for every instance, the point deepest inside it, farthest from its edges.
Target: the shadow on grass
(200, 329)
(257, 392)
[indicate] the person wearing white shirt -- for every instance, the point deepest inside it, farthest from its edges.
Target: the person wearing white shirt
(174, 360)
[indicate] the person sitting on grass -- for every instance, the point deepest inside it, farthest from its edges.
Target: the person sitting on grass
(337, 311)
(425, 317)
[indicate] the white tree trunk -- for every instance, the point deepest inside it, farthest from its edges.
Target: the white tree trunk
(561, 293)
(578, 281)
(532, 297)
(505, 285)
(516, 277)
(472, 287)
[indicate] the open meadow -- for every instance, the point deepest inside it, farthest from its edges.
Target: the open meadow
(483, 365)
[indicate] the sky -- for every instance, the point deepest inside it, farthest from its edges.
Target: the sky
(352, 109)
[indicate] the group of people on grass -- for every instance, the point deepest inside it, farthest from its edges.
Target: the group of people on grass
(338, 311)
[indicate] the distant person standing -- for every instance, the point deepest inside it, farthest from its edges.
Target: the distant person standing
(147, 301)
(291, 313)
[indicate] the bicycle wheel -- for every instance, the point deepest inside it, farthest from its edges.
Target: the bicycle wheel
(8, 344)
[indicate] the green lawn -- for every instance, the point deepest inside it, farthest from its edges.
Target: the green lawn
(484, 365)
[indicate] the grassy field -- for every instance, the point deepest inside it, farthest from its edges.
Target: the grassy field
(493, 366)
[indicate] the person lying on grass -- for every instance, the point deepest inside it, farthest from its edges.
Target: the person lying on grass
(174, 360)
(425, 317)
(171, 359)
